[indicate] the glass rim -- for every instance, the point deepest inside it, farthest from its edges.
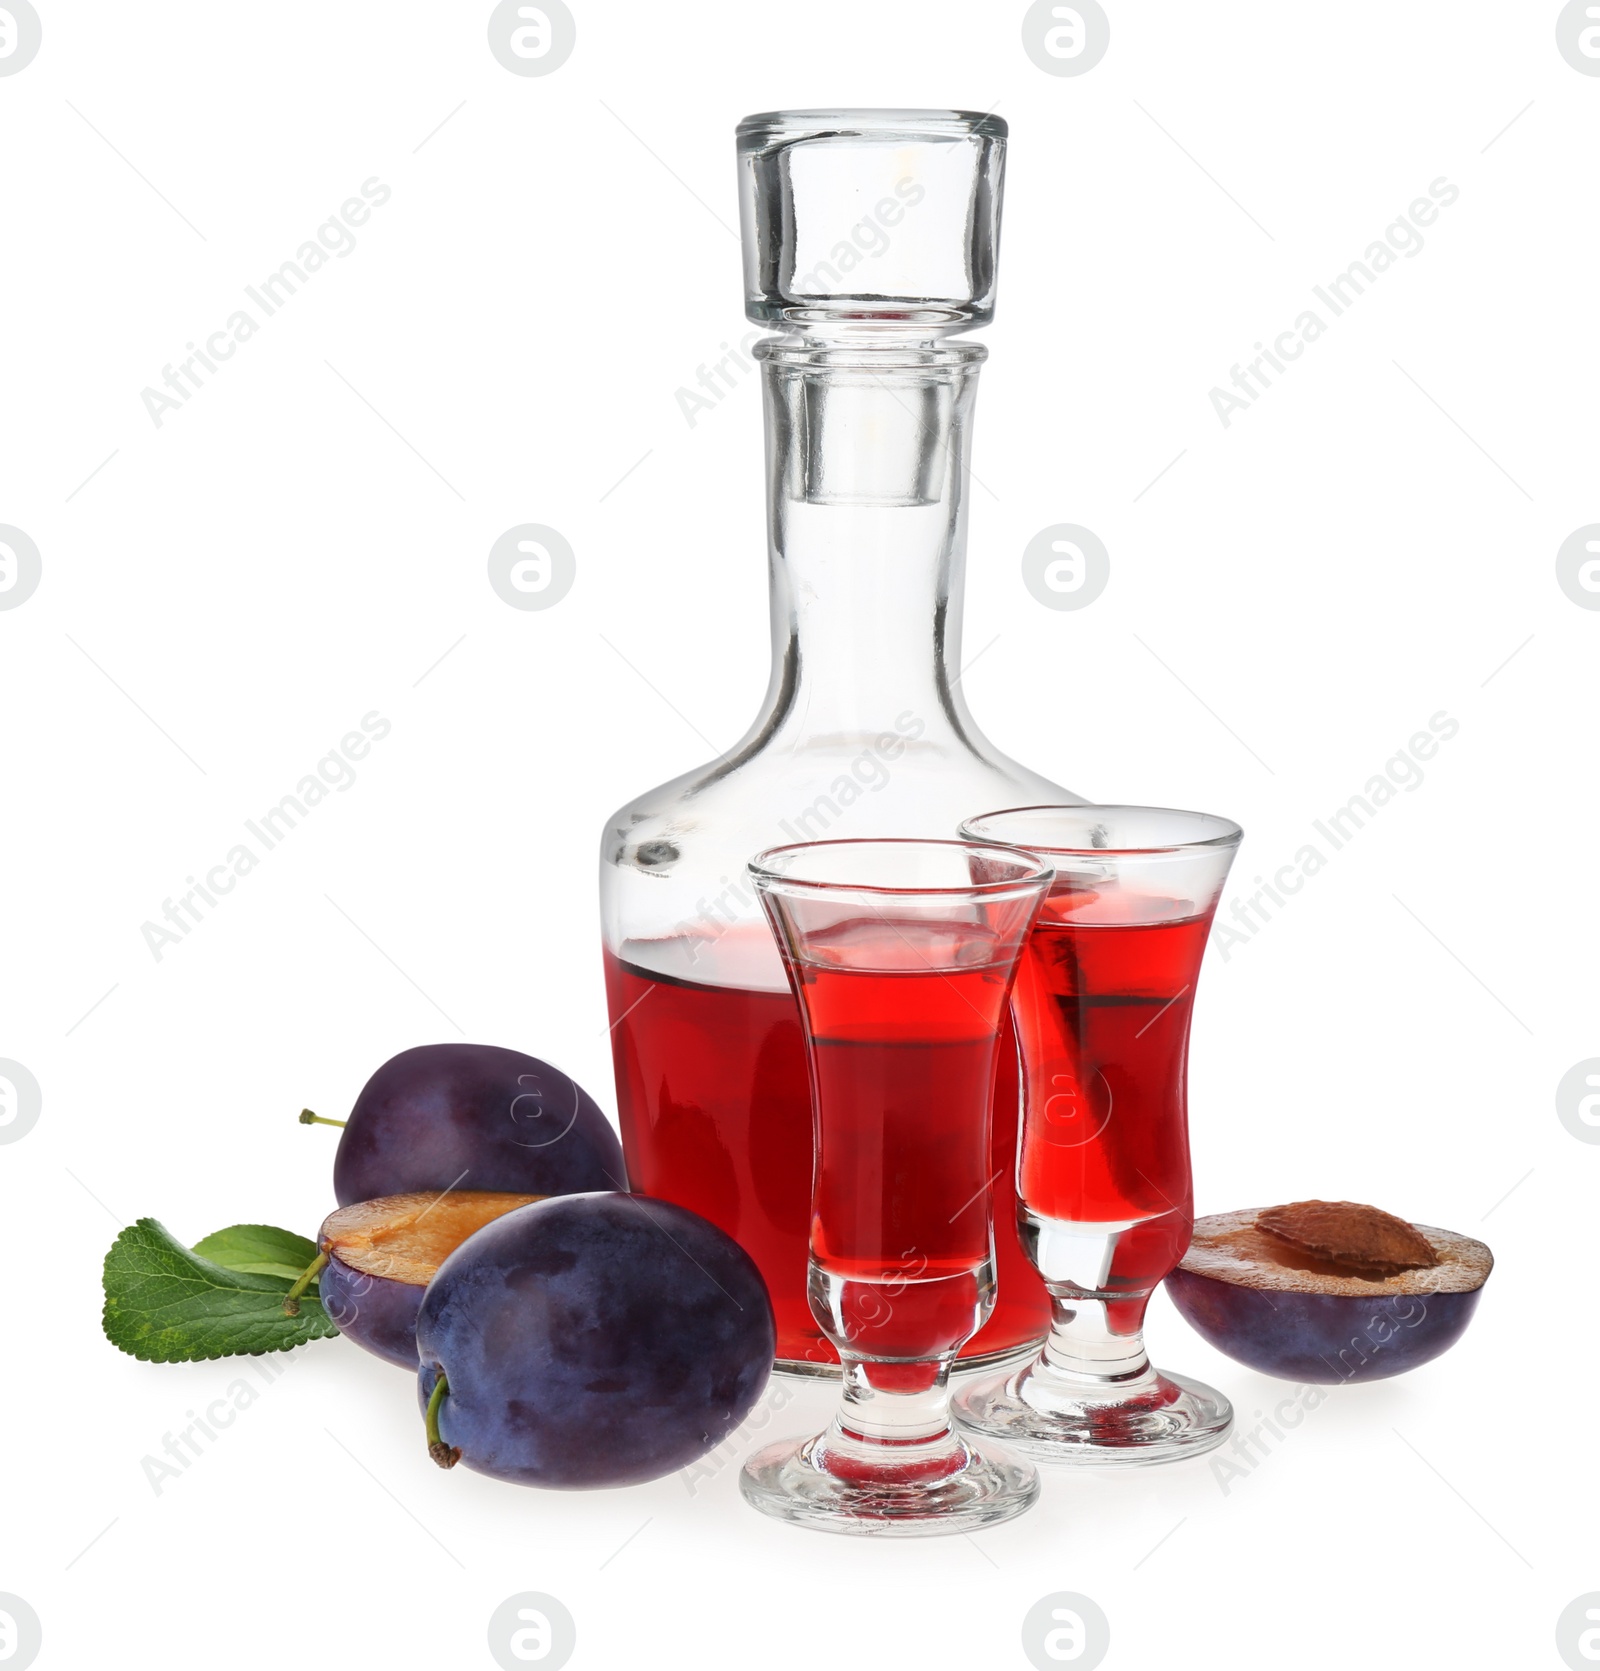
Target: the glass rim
(1229, 836)
(1040, 871)
(841, 121)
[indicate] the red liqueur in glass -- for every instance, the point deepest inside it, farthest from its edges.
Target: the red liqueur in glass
(1104, 1002)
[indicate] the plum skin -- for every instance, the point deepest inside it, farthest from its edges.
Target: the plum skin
(376, 1312)
(1322, 1338)
(474, 1116)
(594, 1340)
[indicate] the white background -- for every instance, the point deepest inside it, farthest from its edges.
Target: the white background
(1288, 603)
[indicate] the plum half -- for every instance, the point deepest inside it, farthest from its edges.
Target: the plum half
(591, 1340)
(1328, 1292)
(475, 1117)
(382, 1254)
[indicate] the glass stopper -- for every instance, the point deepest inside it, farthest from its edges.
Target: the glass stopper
(877, 218)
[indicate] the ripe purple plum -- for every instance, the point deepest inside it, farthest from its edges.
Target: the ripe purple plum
(591, 1340)
(473, 1117)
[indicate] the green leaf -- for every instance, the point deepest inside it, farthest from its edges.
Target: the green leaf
(165, 1304)
(259, 1248)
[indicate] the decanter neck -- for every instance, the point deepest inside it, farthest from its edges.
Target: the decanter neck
(867, 447)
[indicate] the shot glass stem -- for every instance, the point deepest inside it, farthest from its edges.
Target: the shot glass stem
(1082, 1344)
(874, 1416)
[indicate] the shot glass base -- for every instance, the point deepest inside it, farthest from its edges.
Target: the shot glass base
(1053, 1418)
(798, 1480)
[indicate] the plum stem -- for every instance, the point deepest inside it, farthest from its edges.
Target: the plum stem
(447, 1456)
(307, 1118)
(291, 1300)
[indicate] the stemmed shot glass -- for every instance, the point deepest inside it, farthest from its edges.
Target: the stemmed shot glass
(1102, 1006)
(901, 954)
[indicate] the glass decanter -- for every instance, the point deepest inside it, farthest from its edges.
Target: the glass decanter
(869, 241)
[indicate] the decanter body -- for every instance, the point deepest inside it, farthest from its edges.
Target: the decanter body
(864, 731)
